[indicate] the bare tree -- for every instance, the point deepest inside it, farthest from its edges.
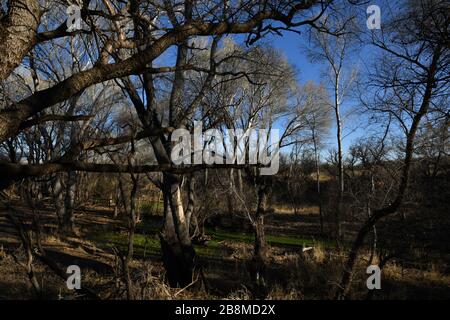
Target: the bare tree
(411, 77)
(315, 107)
(335, 52)
(114, 54)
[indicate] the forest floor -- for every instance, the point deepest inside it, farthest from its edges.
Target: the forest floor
(292, 273)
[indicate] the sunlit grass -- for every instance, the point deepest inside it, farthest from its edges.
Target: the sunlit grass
(282, 240)
(148, 244)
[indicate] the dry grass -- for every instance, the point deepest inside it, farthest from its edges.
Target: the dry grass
(304, 210)
(310, 275)
(14, 283)
(291, 273)
(431, 276)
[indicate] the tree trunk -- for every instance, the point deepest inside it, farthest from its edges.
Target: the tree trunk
(116, 201)
(258, 268)
(68, 222)
(260, 236)
(177, 250)
(191, 202)
(58, 198)
(18, 34)
(132, 218)
(230, 196)
(338, 211)
(317, 164)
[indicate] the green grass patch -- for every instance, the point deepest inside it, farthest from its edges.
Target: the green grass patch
(148, 244)
(282, 241)
(151, 207)
(144, 245)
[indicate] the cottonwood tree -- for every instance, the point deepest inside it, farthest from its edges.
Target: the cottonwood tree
(266, 99)
(126, 43)
(23, 19)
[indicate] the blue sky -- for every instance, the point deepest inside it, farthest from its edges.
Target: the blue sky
(291, 44)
